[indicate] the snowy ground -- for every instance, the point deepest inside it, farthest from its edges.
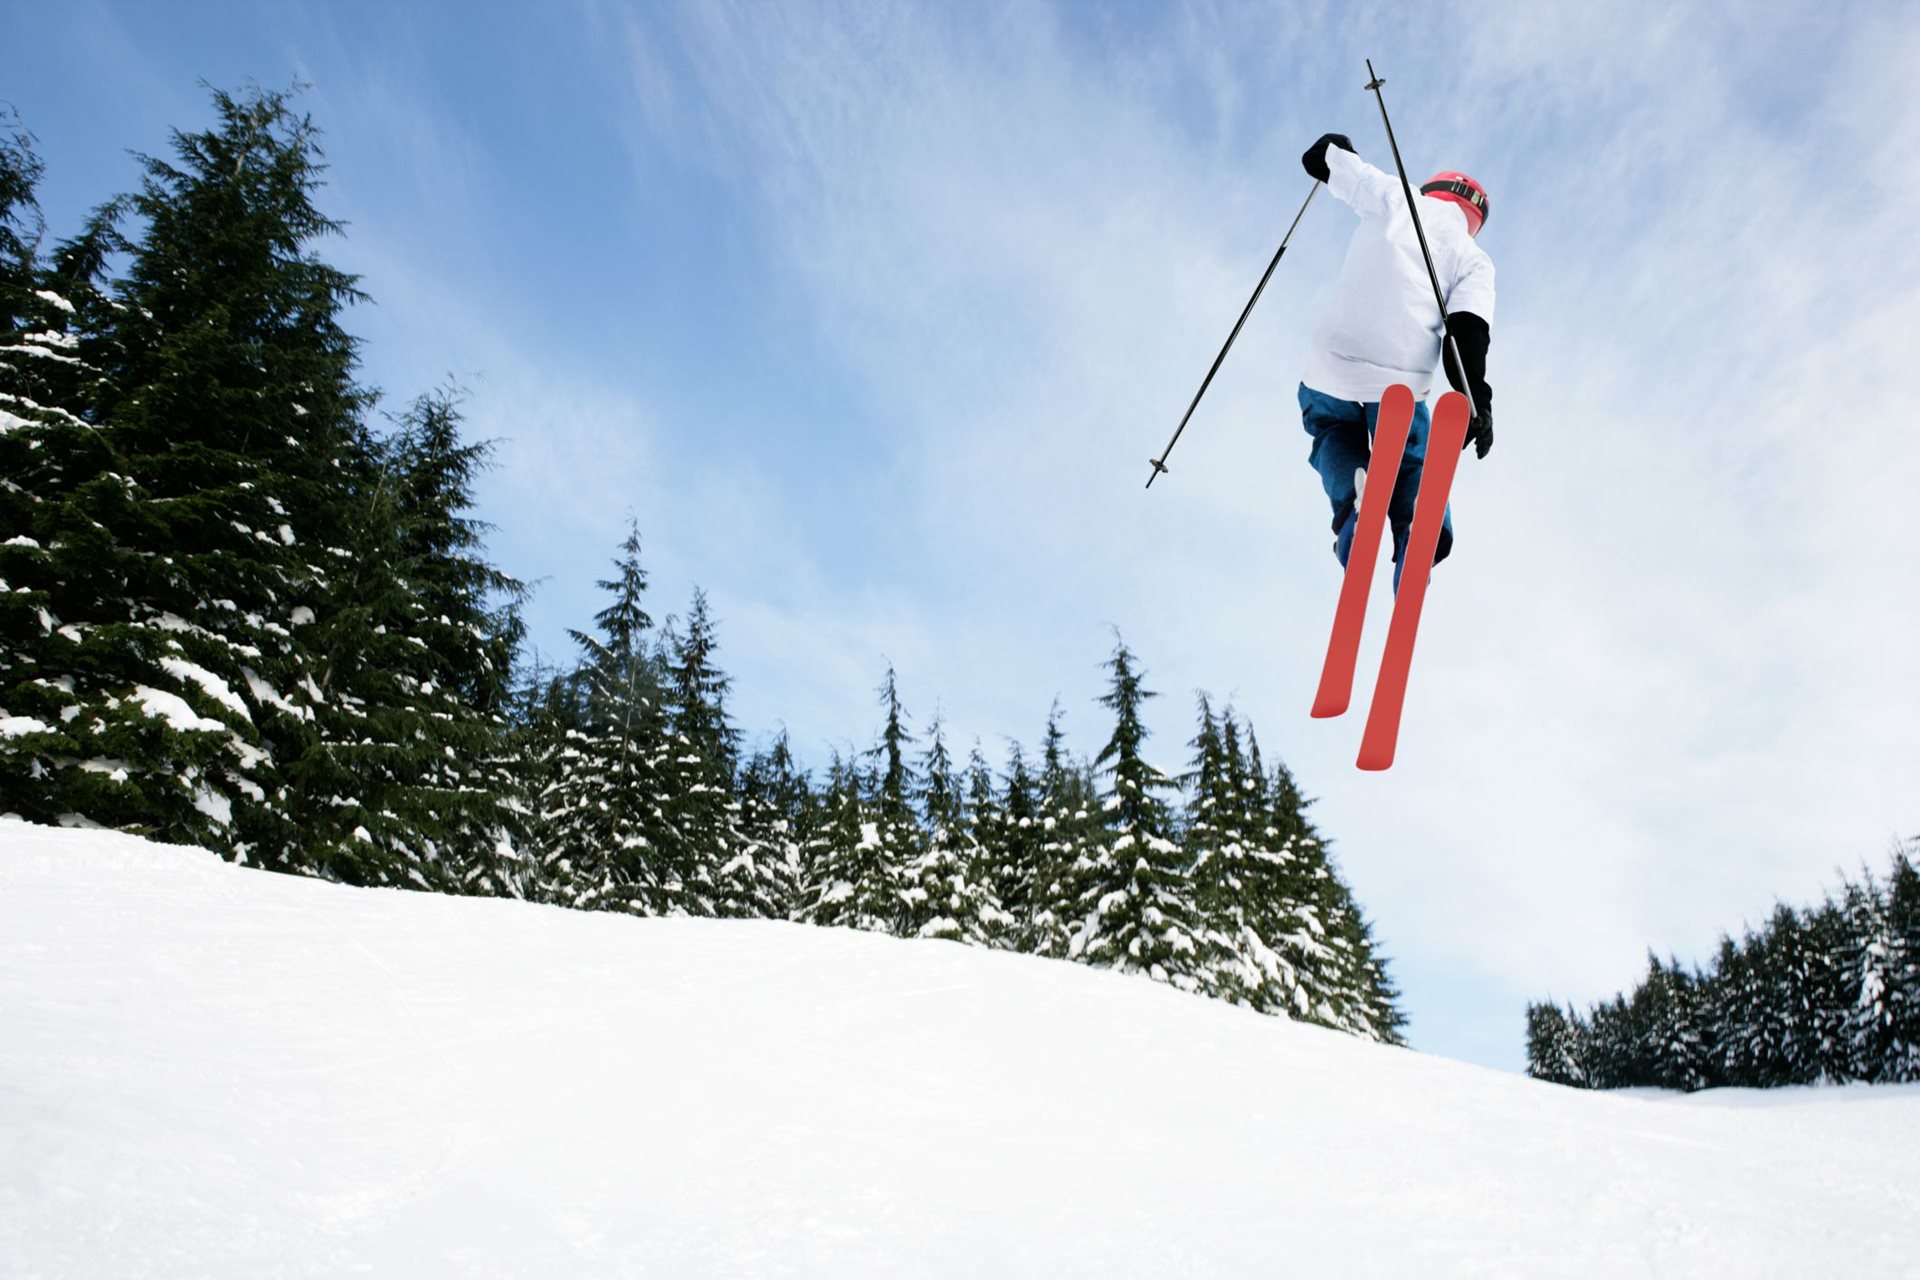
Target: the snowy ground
(211, 1071)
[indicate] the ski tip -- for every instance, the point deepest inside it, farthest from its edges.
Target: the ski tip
(1374, 762)
(1328, 708)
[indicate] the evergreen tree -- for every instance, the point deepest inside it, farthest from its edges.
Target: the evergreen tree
(1236, 880)
(1005, 825)
(1318, 931)
(776, 811)
(1271, 907)
(1903, 970)
(21, 225)
(49, 449)
(1554, 1051)
(1134, 911)
(1782, 1028)
(848, 879)
(948, 893)
(985, 827)
(46, 449)
(891, 750)
(719, 870)
(545, 715)
(1829, 991)
(1816, 995)
(1610, 1040)
(1727, 1001)
(1868, 960)
(1066, 824)
(408, 776)
(1674, 1052)
(197, 531)
(1214, 840)
(899, 842)
(607, 810)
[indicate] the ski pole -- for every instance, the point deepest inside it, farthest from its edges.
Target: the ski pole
(1433, 276)
(1159, 464)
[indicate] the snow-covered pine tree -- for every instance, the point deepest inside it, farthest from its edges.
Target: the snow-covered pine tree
(1813, 995)
(1903, 981)
(1790, 1018)
(1018, 848)
(900, 841)
(50, 451)
(408, 779)
(776, 818)
(1316, 928)
(1215, 836)
(47, 450)
(1065, 813)
(720, 873)
(1260, 925)
(1281, 914)
(948, 890)
(1554, 1051)
(1267, 912)
(1832, 988)
(607, 811)
(1673, 1048)
(1870, 954)
(1004, 823)
(1378, 999)
(21, 224)
(186, 562)
(984, 821)
(1609, 1039)
(1783, 1031)
(1135, 911)
(847, 879)
(545, 715)
(1726, 1032)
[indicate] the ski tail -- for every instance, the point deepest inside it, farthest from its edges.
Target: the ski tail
(1430, 508)
(1349, 617)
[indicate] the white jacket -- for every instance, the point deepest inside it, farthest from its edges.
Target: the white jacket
(1382, 327)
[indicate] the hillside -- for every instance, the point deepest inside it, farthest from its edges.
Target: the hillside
(213, 1071)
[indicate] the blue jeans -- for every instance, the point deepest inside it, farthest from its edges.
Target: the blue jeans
(1342, 432)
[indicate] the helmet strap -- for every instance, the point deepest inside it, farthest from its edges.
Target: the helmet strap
(1461, 189)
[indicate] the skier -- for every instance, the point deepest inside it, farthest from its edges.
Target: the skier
(1382, 327)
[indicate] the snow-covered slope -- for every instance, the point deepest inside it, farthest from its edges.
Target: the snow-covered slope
(213, 1071)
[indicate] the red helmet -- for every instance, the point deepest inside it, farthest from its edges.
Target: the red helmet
(1463, 191)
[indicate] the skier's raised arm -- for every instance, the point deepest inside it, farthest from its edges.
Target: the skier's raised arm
(1332, 160)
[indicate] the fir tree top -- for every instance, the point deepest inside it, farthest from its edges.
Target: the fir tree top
(700, 688)
(624, 623)
(1136, 783)
(894, 740)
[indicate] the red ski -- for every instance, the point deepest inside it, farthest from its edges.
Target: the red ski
(1383, 470)
(1444, 443)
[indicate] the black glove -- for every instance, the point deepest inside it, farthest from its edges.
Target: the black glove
(1316, 158)
(1471, 337)
(1480, 432)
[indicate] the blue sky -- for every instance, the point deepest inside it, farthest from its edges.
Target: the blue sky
(872, 315)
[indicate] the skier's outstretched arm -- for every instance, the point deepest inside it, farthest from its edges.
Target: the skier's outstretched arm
(1368, 191)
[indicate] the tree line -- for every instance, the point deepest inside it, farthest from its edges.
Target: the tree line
(1826, 994)
(245, 607)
